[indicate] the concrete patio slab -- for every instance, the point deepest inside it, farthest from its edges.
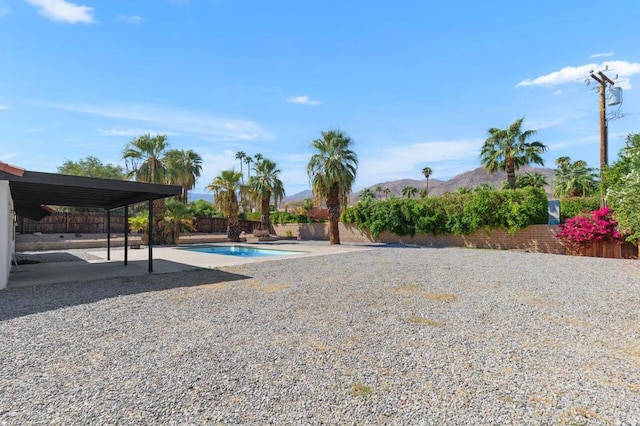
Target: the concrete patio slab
(166, 259)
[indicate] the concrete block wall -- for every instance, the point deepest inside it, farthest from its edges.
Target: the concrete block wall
(7, 238)
(535, 238)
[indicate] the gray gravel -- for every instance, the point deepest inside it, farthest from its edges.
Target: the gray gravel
(388, 336)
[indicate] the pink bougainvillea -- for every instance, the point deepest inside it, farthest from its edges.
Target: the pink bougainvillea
(581, 231)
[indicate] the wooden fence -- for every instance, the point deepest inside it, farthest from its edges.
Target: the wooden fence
(96, 223)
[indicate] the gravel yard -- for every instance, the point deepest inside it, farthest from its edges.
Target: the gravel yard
(394, 335)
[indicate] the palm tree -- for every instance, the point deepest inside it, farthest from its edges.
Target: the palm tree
(177, 219)
(186, 167)
(574, 179)
(226, 187)
(332, 171)
(535, 179)
(145, 159)
(409, 191)
(427, 173)
(508, 150)
(258, 157)
(367, 195)
(248, 160)
(379, 190)
(240, 155)
(265, 184)
(386, 191)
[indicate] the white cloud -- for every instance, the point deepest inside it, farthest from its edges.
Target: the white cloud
(64, 11)
(5, 156)
(4, 107)
(135, 132)
(601, 55)
(177, 121)
(131, 19)
(623, 69)
(557, 92)
(4, 10)
(303, 100)
(215, 163)
(406, 161)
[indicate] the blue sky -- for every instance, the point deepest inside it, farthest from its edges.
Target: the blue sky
(414, 83)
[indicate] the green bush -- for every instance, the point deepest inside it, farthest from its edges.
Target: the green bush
(254, 216)
(202, 208)
(455, 213)
(285, 217)
(573, 206)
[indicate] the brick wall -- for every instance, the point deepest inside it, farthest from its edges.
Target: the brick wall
(535, 238)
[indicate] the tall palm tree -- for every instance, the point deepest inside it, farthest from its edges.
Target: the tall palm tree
(409, 191)
(379, 190)
(508, 150)
(265, 184)
(258, 157)
(248, 160)
(332, 171)
(574, 179)
(186, 167)
(427, 173)
(226, 187)
(145, 160)
(240, 155)
(386, 191)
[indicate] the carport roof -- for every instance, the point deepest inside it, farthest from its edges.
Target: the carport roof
(32, 191)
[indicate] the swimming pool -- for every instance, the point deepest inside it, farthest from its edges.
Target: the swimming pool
(240, 251)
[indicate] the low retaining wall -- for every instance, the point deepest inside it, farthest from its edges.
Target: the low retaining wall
(535, 238)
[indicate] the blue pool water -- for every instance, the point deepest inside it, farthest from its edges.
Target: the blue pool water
(240, 251)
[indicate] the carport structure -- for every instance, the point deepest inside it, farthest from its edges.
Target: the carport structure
(32, 192)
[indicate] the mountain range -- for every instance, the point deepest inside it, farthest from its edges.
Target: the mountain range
(469, 179)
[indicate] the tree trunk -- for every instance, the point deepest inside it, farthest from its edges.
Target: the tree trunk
(265, 219)
(233, 229)
(333, 204)
(511, 174)
(159, 210)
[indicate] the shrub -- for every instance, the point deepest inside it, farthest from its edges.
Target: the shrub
(254, 216)
(581, 231)
(202, 208)
(286, 217)
(573, 206)
(456, 213)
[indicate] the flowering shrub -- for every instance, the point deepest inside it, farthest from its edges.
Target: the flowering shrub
(581, 231)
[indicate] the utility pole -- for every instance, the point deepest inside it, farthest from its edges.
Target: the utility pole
(603, 80)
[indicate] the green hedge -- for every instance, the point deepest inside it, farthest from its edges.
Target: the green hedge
(285, 217)
(459, 214)
(573, 206)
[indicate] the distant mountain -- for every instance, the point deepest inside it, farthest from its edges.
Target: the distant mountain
(469, 179)
(193, 196)
(300, 196)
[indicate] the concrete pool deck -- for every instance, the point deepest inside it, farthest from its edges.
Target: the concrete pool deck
(165, 260)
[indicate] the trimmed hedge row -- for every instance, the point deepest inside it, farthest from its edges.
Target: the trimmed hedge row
(459, 214)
